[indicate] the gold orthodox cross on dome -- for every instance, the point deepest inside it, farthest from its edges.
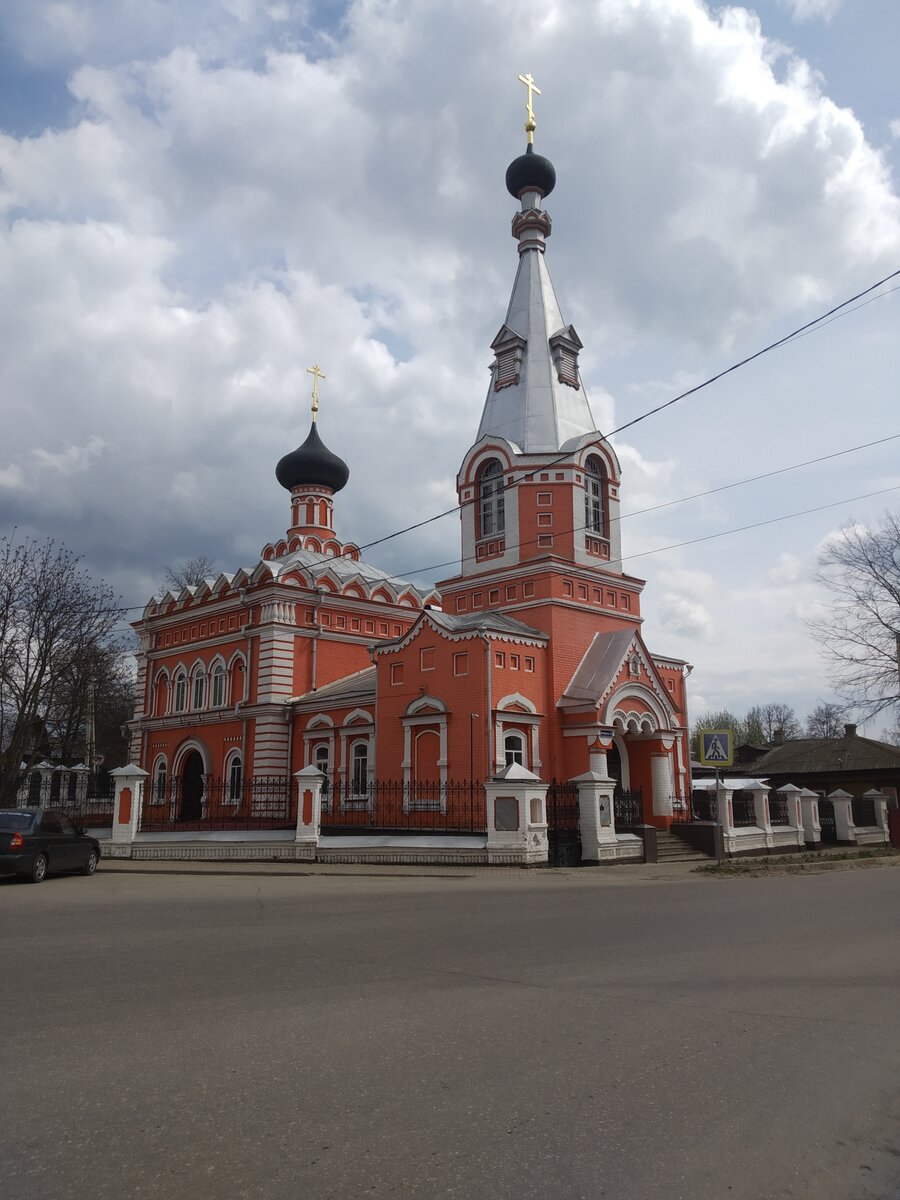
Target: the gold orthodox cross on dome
(533, 90)
(316, 372)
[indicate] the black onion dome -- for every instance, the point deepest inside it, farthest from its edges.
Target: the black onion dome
(530, 171)
(312, 462)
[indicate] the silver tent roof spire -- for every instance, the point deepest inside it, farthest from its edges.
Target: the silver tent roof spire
(535, 399)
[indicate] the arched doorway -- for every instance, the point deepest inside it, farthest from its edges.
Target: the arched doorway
(614, 763)
(191, 807)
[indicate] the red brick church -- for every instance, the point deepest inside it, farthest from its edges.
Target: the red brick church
(532, 654)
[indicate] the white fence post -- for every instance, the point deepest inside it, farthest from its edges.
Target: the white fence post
(127, 804)
(844, 828)
(809, 813)
(310, 782)
(516, 801)
(596, 818)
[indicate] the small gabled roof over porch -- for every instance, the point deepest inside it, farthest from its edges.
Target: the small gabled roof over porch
(613, 664)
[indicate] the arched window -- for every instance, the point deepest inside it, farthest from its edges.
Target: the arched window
(160, 697)
(491, 513)
(159, 782)
(199, 688)
(359, 768)
(594, 480)
(218, 686)
(236, 690)
(514, 749)
(322, 762)
(180, 703)
(235, 780)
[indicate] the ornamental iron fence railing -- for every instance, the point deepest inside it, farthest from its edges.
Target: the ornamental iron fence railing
(628, 808)
(204, 803)
(86, 797)
(778, 810)
(864, 811)
(401, 806)
(563, 835)
(743, 807)
(701, 806)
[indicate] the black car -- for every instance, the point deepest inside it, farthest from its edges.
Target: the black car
(34, 841)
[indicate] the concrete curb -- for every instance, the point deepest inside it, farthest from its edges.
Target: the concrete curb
(738, 870)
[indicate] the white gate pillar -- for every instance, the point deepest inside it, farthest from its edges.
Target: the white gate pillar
(879, 802)
(310, 782)
(127, 804)
(809, 813)
(516, 817)
(596, 818)
(844, 828)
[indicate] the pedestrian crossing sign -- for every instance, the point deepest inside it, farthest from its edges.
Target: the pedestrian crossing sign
(716, 747)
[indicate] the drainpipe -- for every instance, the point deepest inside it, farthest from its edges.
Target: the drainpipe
(248, 676)
(489, 710)
(315, 640)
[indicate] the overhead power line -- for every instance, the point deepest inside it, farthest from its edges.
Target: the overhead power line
(801, 331)
(674, 545)
(404, 578)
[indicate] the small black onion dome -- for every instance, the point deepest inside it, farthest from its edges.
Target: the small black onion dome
(312, 462)
(530, 171)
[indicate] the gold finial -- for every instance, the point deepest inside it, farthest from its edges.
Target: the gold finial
(316, 373)
(528, 80)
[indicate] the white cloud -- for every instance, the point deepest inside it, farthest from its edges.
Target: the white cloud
(808, 10)
(240, 193)
(685, 617)
(73, 459)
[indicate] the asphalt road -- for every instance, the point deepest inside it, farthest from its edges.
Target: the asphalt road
(494, 1036)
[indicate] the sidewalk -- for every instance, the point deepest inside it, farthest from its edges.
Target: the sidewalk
(623, 873)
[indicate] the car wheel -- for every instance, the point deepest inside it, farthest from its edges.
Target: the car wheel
(38, 869)
(90, 864)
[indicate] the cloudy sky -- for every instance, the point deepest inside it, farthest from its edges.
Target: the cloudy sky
(197, 201)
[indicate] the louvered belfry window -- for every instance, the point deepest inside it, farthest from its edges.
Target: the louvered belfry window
(507, 370)
(491, 512)
(564, 347)
(509, 349)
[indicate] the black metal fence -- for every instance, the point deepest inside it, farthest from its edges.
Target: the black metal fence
(628, 808)
(395, 806)
(743, 807)
(205, 803)
(778, 810)
(86, 797)
(563, 836)
(701, 806)
(864, 811)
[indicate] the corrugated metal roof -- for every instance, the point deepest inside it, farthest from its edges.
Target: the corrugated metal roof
(825, 755)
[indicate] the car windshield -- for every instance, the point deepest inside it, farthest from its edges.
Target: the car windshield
(20, 822)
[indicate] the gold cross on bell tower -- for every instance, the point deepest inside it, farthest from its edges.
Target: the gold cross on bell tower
(533, 90)
(316, 373)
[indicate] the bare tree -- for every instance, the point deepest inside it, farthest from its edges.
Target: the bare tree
(190, 573)
(94, 701)
(826, 720)
(860, 638)
(53, 617)
(764, 719)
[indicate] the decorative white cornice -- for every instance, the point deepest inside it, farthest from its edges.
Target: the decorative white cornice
(453, 635)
